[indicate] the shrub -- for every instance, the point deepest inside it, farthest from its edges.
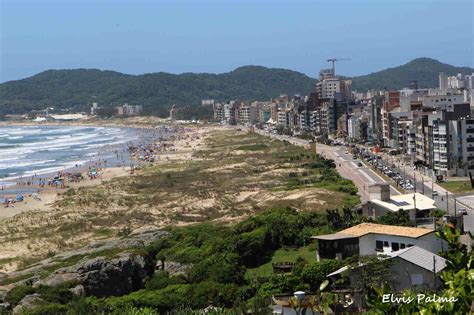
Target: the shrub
(15, 295)
(48, 309)
(161, 280)
(316, 272)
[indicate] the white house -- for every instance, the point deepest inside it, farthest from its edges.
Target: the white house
(381, 202)
(367, 239)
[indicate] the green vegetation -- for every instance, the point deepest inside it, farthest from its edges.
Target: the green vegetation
(457, 186)
(223, 264)
(253, 147)
(104, 232)
(401, 218)
(424, 70)
(281, 255)
(218, 258)
(236, 174)
(157, 92)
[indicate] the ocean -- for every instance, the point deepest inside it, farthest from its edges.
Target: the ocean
(29, 150)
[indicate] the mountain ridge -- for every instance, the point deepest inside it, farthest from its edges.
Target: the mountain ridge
(77, 88)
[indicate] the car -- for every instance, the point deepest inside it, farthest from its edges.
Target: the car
(359, 164)
(347, 152)
(462, 211)
(434, 193)
(354, 157)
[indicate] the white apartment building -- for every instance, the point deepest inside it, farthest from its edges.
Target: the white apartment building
(439, 100)
(351, 127)
(328, 87)
(282, 119)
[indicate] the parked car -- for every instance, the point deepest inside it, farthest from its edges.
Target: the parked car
(359, 164)
(462, 211)
(434, 193)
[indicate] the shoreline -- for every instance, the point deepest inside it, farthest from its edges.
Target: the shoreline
(169, 144)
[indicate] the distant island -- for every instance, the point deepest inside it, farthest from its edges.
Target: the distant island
(157, 92)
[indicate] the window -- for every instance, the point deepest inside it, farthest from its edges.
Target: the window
(402, 246)
(395, 246)
(385, 244)
(378, 245)
(416, 279)
(409, 245)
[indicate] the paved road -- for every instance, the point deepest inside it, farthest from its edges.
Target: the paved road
(362, 177)
(444, 200)
(365, 176)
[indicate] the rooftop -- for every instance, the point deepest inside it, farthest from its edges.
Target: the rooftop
(406, 202)
(373, 228)
(368, 228)
(420, 257)
(413, 254)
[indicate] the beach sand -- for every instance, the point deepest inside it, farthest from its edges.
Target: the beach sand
(48, 195)
(182, 150)
(27, 218)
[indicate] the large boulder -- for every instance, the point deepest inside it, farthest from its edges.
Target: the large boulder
(118, 275)
(28, 302)
(102, 276)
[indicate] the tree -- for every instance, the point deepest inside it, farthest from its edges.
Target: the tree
(400, 217)
(315, 273)
(368, 271)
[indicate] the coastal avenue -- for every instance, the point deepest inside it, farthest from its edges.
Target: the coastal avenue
(364, 176)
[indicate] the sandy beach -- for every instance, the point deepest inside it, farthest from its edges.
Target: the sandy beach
(28, 217)
(201, 173)
(179, 147)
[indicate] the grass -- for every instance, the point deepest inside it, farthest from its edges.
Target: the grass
(253, 147)
(282, 255)
(233, 176)
(103, 232)
(9, 280)
(457, 187)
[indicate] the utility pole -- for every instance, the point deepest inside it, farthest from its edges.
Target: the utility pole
(414, 179)
(447, 202)
(455, 204)
(414, 205)
(422, 185)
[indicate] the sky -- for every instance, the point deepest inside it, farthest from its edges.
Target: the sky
(177, 36)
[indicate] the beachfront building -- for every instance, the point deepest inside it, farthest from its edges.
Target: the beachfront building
(128, 110)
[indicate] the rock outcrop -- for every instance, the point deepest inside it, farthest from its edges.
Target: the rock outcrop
(28, 302)
(113, 267)
(102, 276)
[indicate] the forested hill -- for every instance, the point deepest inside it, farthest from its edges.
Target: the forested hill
(155, 91)
(158, 91)
(425, 70)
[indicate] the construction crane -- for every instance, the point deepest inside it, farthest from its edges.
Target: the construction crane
(333, 60)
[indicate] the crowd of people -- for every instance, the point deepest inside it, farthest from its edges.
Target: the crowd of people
(151, 142)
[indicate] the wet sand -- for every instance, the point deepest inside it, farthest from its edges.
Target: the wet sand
(177, 146)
